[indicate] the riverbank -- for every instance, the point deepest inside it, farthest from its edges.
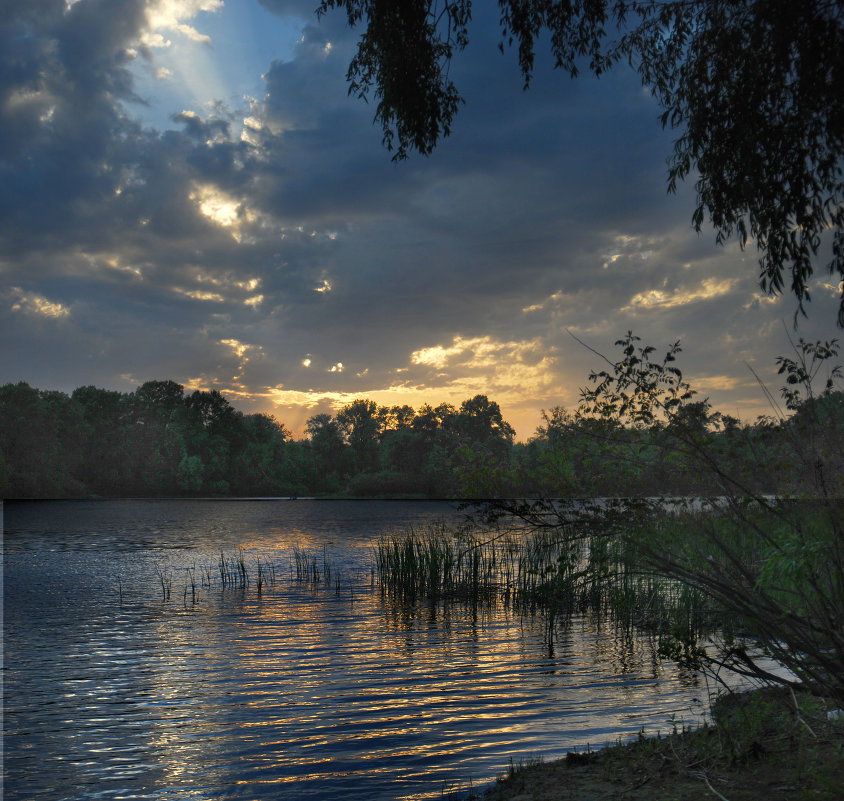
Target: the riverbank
(767, 744)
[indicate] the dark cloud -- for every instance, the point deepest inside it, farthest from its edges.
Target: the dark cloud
(203, 130)
(242, 242)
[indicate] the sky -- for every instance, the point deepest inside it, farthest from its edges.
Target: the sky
(188, 192)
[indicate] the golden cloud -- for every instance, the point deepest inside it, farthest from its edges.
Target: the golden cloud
(37, 305)
(484, 364)
(518, 374)
(717, 382)
(197, 294)
(222, 209)
(170, 15)
(661, 298)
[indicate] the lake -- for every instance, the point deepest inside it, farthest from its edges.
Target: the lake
(131, 671)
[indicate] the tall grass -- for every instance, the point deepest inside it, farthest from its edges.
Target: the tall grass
(550, 572)
(436, 565)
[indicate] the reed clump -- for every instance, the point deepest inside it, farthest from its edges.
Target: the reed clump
(437, 565)
(233, 570)
(555, 573)
(314, 568)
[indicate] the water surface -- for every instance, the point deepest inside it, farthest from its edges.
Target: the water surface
(118, 689)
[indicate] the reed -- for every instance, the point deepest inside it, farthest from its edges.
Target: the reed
(437, 566)
(550, 572)
(313, 569)
(166, 582)
(326, 566)
(240, 568)
(223, 568)
(191, 573)
(235, 572)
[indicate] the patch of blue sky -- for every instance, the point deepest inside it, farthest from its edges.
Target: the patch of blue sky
(217, 74)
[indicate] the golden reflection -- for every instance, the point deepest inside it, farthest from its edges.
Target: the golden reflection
(310, 681)
(178, 742)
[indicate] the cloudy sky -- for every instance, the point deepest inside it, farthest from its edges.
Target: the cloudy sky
(187, 192)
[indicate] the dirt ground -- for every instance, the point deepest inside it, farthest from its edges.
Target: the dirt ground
(787, 757)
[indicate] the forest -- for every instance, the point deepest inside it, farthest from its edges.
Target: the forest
(161, 441)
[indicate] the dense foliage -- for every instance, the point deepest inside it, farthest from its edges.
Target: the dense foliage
(160, 440)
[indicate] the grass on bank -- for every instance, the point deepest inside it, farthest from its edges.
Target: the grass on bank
(770, 744)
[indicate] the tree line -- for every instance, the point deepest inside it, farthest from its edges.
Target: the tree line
(161, 441)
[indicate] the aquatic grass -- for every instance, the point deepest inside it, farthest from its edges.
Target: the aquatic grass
(191, 573)
(238, 572)
(306, 565)
(326, 565)
(549, 572)
(240, 567)
(166, 582)
(313, 568)
(233, 570)
(552, 573)
(437, 565)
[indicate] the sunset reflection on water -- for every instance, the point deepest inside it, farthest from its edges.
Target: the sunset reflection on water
(302, 692)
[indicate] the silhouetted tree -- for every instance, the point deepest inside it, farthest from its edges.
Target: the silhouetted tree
(328, 452)
(107, 417)
(361, 425)
(215, 414)
(158, 438)
(159, 399)
(480, 421)
(38, 434)
(753, 88)
(260, 465)
(396, 418)
(216, 435)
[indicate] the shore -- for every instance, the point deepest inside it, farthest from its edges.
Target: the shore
(768, 745)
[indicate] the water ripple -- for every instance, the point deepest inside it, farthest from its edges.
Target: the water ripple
(115, 691)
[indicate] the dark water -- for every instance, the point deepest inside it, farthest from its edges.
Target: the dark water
(113, 691)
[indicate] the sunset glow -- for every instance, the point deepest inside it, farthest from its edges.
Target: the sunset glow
(202, 200)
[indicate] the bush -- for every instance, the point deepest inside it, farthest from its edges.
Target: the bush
(768, 568)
